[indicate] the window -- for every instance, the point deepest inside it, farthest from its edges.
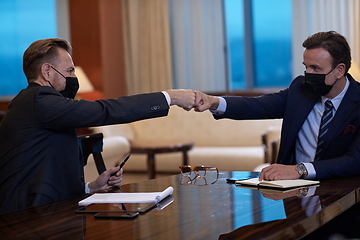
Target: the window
(22, 22)
(265, 60)
(234, 24)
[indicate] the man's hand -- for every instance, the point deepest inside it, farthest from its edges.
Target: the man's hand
(106, 181)
(279, 172)
(204, 102)
(182, 98)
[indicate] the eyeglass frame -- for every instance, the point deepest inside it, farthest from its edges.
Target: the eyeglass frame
(193, 169)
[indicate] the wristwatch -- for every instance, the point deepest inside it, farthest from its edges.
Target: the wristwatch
(301, 169)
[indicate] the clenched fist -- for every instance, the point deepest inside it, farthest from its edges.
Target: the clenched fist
(184, 98)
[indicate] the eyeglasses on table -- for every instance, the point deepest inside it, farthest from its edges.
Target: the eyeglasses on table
(198, 175)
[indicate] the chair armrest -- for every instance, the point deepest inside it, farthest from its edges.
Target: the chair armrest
(92, 144)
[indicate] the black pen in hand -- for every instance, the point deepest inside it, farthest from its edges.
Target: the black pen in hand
(122, 163)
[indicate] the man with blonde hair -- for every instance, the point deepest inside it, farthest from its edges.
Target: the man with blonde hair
(39, 155)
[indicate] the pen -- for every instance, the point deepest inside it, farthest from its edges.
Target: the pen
(123, 162)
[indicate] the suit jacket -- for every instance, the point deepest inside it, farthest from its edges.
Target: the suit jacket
(39, 154)
(341, 155)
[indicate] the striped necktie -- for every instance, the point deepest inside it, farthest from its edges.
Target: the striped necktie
(324, 127)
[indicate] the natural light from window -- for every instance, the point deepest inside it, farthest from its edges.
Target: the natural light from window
(272, 37)
(22, 22)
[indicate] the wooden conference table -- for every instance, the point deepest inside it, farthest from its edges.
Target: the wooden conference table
(220, 210)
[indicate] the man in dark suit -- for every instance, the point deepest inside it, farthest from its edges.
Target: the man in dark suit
(39, 155)
(327, 60)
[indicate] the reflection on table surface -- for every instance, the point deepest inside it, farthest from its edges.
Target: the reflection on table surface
(195, 212)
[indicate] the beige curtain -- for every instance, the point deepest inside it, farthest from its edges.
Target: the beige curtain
(198, 44)
(314, 16)
(147, 45)
(355, 26)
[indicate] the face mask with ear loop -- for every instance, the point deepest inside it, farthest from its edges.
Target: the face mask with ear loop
(315, 83)
(71, 87)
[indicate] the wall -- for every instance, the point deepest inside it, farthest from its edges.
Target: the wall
(96, 37)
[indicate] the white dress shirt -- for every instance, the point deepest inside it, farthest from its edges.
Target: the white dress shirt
(167, 96)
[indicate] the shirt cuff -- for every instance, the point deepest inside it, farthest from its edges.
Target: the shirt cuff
(221, 108)
(167, 96)
(311, 171)
(87, 189)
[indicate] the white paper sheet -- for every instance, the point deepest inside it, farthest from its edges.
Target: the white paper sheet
(144, 197)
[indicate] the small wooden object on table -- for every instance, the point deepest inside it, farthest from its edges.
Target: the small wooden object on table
(151, 149)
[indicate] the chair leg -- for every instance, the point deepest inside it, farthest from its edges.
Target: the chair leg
(151, 166)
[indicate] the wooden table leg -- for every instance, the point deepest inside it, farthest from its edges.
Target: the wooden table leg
(185, 157)
(151, 165)
(151, 150)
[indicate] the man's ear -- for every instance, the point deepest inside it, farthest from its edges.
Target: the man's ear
(45, 71)
(340, 70)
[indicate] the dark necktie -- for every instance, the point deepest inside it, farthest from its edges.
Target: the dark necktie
(324, 127)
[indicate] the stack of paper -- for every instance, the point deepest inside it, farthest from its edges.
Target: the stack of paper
(145, 197)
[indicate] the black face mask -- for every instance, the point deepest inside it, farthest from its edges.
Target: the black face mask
(71, 87)
(315, 83)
